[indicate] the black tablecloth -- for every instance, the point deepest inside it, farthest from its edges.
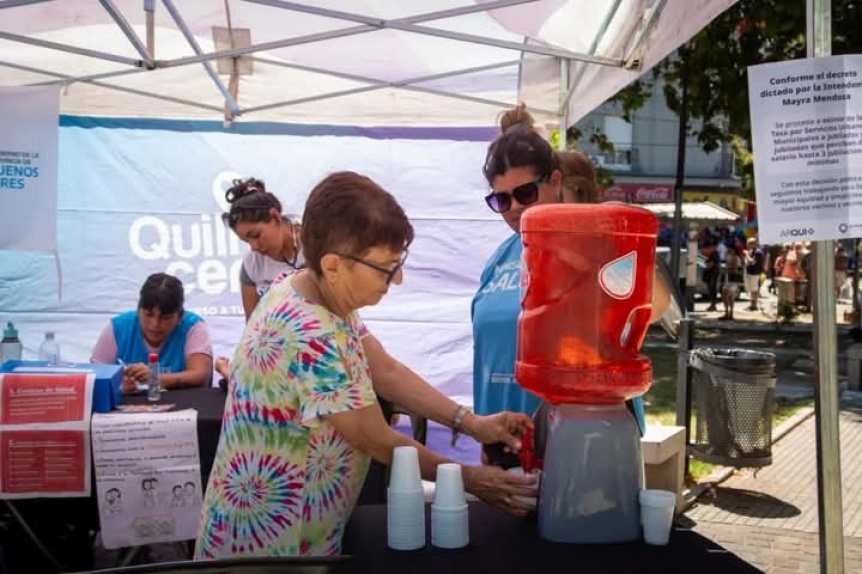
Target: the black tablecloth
(500, 543)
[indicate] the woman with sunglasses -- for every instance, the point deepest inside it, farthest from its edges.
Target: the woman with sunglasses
(301, 419)
(522, 170)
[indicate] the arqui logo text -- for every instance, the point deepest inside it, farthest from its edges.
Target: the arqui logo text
(797, 232)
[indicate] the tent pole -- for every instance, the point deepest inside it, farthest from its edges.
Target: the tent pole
(829, 504)
(150, 13)
(563, 113)
(71, 49)
(676, 240)
(190, 38)
(128, 31)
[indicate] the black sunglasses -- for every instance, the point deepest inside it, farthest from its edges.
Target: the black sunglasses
(525, 194)
(390, 273)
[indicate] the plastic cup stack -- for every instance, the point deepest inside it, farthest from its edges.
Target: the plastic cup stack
(405, 501)
(449, 521)
(657, 515)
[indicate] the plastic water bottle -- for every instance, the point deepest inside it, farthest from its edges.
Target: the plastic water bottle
(49, 350)
(10, 347)
(154, 388)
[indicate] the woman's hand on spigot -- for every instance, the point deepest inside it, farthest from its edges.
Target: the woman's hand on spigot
(506, 427)
(499, 488)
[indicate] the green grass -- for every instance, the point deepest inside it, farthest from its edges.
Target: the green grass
(660, 402)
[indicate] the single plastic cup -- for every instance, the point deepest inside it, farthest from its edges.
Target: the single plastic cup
(657, 508)
(449, 488)
(404, 474)
(450, 528)
(528, 501)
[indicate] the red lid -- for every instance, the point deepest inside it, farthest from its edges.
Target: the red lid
(154, 358)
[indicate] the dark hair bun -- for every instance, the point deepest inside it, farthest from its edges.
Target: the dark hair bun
(242, 188)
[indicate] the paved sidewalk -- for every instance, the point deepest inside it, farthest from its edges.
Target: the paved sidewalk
(770, 517)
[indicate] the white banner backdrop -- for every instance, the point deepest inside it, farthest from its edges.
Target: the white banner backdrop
(28, 168)
(141, 196)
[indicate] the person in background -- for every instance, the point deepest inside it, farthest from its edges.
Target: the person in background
(522, 170)
(255, 215)
(754, 266)
(792, 258)
(159, 325)
(711, 272)
(302, 419)
(841, 267)
(733, 280)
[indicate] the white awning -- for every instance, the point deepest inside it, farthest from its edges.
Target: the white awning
(694, 211)
(364, 62)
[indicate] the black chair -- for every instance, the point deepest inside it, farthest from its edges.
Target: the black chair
(274, 565)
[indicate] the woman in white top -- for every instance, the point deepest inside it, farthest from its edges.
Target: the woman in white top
(256, 218)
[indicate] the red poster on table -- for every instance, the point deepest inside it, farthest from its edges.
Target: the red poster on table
(45, 434)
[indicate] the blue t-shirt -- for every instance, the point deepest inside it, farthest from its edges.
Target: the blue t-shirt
(131, 347)
(495, 311)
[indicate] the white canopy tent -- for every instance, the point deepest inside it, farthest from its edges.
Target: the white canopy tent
(364, 62)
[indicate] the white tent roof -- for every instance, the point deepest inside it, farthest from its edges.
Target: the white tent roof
(363, 62)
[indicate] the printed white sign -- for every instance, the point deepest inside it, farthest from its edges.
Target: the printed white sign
(28, 167)
(148, 477)
(806, 125)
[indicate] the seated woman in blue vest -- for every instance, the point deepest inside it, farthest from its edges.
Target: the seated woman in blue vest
(160, 325)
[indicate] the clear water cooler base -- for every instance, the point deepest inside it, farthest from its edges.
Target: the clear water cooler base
(593, 472)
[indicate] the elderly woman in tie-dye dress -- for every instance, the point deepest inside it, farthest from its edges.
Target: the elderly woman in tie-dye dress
(302, 421)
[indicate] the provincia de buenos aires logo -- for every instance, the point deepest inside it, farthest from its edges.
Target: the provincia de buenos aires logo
(201, 251)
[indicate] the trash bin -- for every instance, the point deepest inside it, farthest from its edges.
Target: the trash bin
(733, 394)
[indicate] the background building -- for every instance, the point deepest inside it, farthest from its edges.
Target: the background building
(643, 163)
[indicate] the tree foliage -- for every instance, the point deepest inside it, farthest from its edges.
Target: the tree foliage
(751, 32)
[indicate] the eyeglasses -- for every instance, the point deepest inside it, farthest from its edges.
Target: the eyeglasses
(525, 194)
(390, 273)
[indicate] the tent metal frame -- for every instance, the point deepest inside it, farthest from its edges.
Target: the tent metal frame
(364, 24)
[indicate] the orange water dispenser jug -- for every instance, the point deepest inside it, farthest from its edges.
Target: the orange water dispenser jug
(587, 281)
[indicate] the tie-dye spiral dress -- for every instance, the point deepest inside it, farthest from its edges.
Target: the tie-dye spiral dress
(284, 481)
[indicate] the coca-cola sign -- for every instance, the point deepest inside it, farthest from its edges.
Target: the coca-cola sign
(638, 193)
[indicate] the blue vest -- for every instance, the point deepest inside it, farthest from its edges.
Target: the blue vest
(495, 311)
(130, 341)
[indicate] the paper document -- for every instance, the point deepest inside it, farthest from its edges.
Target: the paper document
(148, 477)
(44, 434)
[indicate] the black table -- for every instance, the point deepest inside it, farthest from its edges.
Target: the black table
(501, 543)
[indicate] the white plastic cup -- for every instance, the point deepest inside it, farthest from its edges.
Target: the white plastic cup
(405, 520)
(450, 527)
(449, 487)
(528, 501)
(657, 508)
(404, 474)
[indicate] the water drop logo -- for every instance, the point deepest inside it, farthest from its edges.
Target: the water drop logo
(617, 278)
